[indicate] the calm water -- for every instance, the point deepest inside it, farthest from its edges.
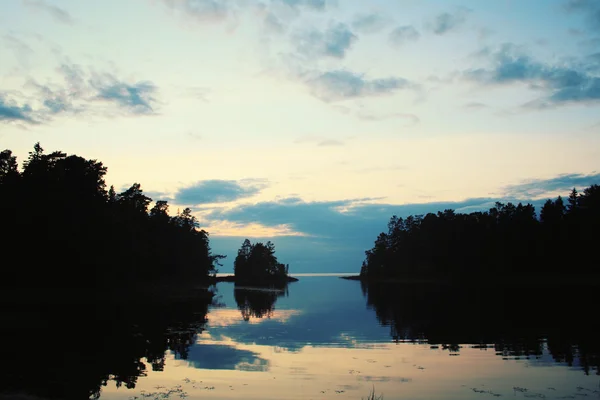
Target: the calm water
(325, 337)
(320, 340)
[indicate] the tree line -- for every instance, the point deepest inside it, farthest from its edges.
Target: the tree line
(63, 228)
(507, 240)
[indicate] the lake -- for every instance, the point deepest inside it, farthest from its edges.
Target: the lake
(328, 338)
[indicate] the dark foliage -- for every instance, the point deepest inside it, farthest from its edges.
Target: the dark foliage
(62, 228)
(506, 241)
(256, 264)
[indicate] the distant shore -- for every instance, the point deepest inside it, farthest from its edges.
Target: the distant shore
(585, 280)
(231, 278)
(390, 280)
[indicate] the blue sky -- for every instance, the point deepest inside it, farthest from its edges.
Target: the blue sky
(310, 122)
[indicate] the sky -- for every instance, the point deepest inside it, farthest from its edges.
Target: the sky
(310, 122)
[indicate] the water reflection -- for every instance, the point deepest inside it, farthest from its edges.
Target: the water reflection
(72, 351)
(322, 337)
(520, 321)
(258, 302)
(221, 356)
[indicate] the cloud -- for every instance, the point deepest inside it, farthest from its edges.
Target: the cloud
(338, 232)
(365, 115)
(21, 49)
(10, 111)
(475, 105)
(334, 42)
(329, 143)
(448, 22)
(411, 119)
(370, 23)
(202, 10)
(403, 34)
(537, 188)
(595, 58)
(589, 8)
(273, 24)
(562, 84)
(218, 191)
(136, 98)
(342, 84)
(325, 220)
(59, 14)
(318, 5)
(80, 92)
(224, 357)
(369, 170)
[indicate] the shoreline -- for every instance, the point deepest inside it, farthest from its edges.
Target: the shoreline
(584, 280)
(231, 278)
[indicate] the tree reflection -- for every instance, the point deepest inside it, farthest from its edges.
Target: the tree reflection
(521, 321)
(258, 302)
(68, 351)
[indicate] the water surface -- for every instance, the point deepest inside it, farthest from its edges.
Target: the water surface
(325, 337)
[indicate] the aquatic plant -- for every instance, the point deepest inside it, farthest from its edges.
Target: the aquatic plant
(372, 396)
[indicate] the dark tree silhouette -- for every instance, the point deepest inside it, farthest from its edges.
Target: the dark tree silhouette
(66, 230)
(106, 280)
(504, 242)
(257, 264)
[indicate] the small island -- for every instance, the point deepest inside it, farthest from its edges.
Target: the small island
(257, 265)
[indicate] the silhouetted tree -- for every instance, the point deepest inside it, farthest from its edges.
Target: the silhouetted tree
(78, 234)
(257, 263)
(503, 242)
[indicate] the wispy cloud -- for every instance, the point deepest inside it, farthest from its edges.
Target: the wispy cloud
(329, 143)
(202, 10)
(537, 188)
(411, 119)
(224, 357)
(80, 92)
(589, 8)
(475, 105)
(562, 84)
(344, 222)
(21, 49)
(335, 41)
(339, 231)
(403, 34)
(448, 21)
(319, 5)
(136, 98)
(218, 191)
(272, 23)
(57, 13)
(342, 84)
(11, 111)
(370, 23)
(364, 114)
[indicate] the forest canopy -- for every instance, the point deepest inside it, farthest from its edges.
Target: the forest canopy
(63, 228)
(506, 241)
